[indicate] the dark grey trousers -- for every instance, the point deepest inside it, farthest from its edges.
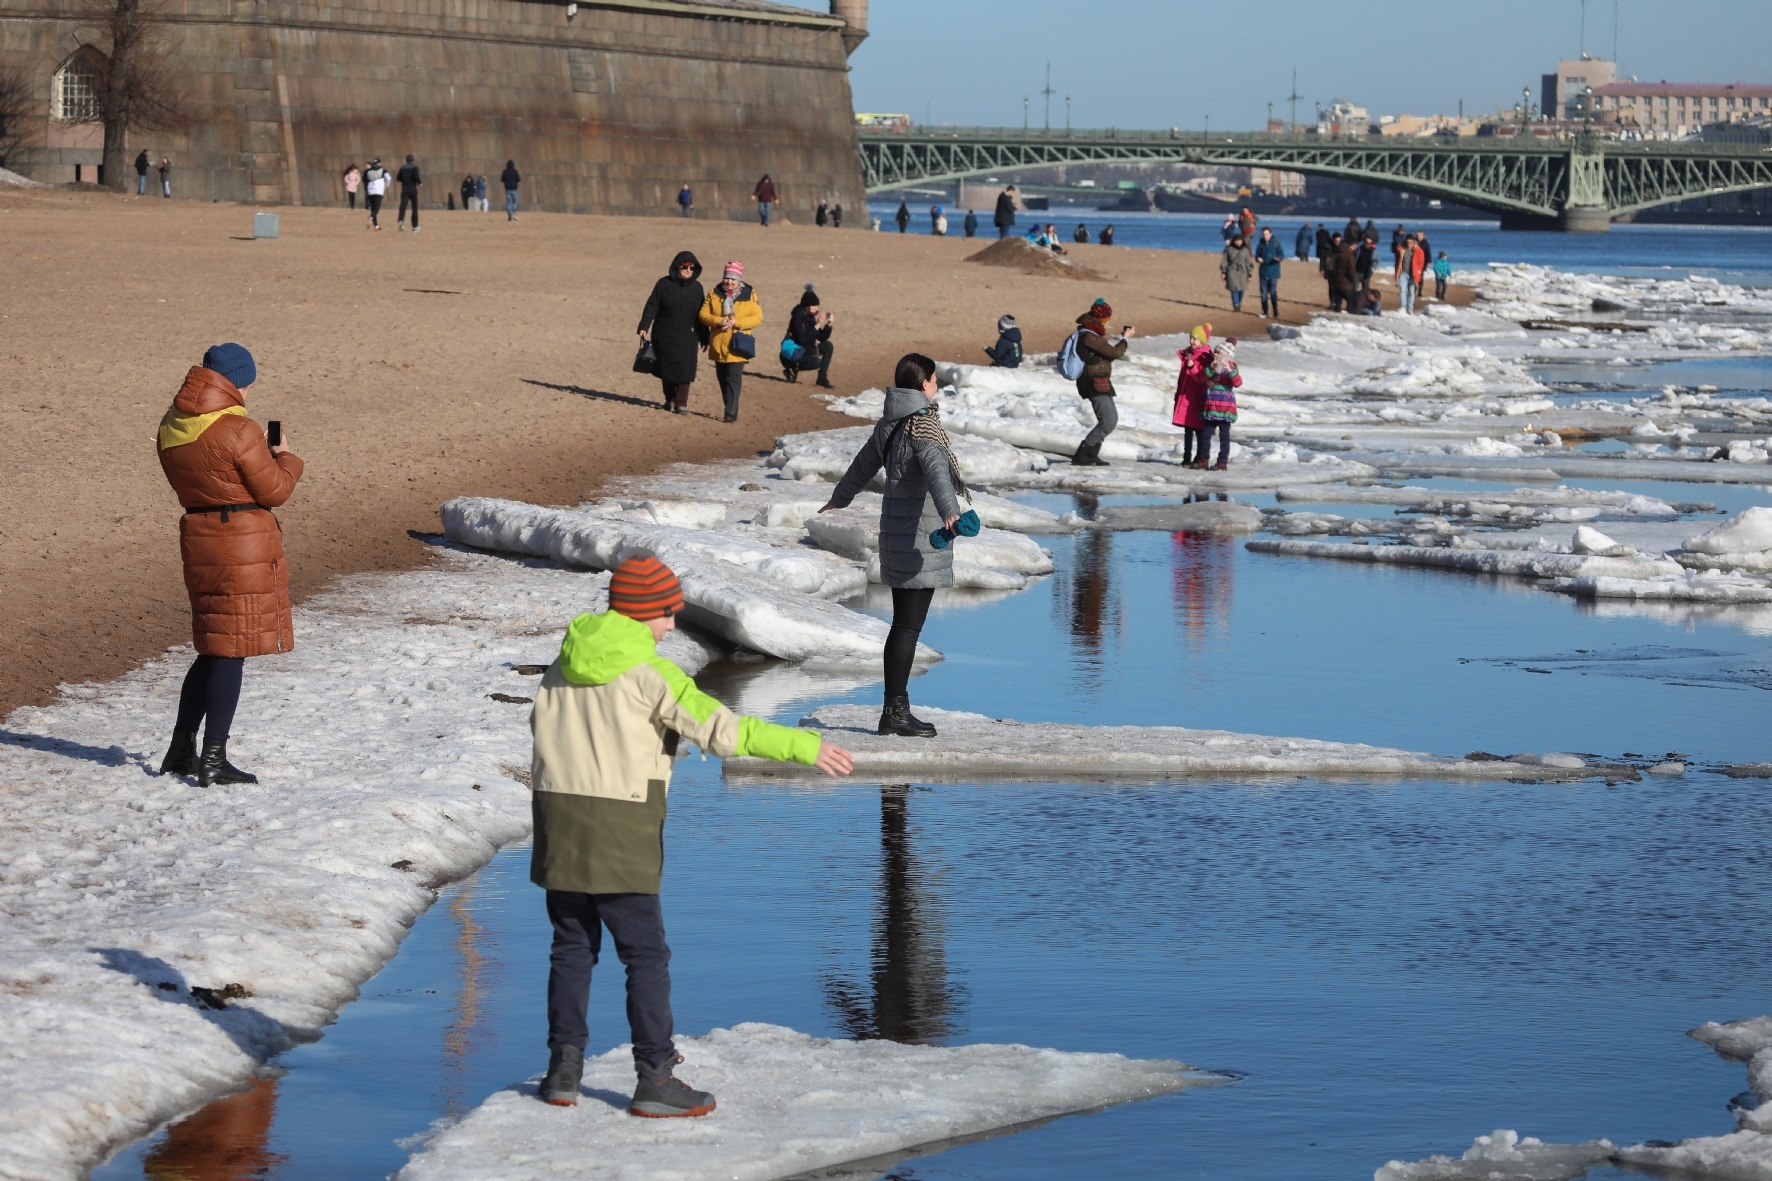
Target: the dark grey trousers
(1106, 419)
(731, 375)
(636, 924)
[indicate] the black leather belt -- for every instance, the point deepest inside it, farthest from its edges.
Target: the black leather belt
(225, 509)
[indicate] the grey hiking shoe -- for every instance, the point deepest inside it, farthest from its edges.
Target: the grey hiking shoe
(566, 1065)
(668, 1097)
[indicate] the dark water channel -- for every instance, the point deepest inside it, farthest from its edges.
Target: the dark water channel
(1393, 968)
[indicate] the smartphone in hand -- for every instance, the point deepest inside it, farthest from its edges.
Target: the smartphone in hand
(274, 433)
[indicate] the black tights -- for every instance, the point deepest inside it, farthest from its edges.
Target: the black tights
(212, 690)
(909, 609)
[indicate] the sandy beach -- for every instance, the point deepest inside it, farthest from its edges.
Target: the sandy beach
(479, 358)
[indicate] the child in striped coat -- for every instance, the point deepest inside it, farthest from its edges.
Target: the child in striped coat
(1222, 380)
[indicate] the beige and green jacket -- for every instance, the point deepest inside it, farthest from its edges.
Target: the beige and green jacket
(607, 720)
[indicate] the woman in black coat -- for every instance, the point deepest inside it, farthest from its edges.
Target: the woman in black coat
(670, 321)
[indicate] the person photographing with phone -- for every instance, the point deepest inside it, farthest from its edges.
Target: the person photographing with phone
(228, 476)
(1096, 386)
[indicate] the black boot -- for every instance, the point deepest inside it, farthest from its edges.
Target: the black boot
(1085, 455)
(214, 767)
(896, 719)
(181, 756)
(566, 1067)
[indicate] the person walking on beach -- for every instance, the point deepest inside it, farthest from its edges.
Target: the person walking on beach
(903, 217)
(227, 477)
(1350, 233)
(480, 192)
(609, 716)
(1269, 254)
(409, 180)
(685, 201)
(165, 176)
(1096, 386)
(921, 495)
(1301, 245)
(1325, 250)
(764, 196)
(1106, 237)
(1190, 393)
(1004, 218)
(1228, 230)
(1341, 276)
(823, 215)
(510, 178)
(1414, 267)
(809, 329)
(467, 192)
(837, 216)
(1006, 353)
(1442, 275)
(1246, 221)
(1222, 380)
(141, 173)
(729, 316)
(375, 186)
(670, 320)
(970, 225)
(1398, 237)
(1236, 265)
(353, 181)
(1365, 259)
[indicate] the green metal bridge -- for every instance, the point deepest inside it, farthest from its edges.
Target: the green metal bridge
(1576, 184)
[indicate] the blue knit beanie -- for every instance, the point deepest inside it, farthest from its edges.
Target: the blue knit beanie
(233, 362)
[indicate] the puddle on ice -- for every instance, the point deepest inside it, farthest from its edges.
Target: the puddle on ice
(1391, 968)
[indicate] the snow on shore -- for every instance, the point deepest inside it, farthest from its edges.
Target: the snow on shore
(789, 1104)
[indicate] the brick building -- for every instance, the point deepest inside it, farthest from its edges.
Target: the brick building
(607, 106)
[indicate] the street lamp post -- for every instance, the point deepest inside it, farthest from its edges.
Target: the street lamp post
(1067, 114)
(1024, 116)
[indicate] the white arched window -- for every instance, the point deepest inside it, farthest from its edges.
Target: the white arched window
(74, 94)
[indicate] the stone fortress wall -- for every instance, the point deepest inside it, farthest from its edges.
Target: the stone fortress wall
(607, 106)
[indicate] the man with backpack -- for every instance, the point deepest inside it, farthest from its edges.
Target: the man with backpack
(1088, 359)
(375, 186)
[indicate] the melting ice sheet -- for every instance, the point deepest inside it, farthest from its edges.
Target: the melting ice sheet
(788, 1103)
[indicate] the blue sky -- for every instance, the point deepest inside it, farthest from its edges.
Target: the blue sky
(1151, 63)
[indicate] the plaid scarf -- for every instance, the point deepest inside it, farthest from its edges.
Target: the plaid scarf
(926, 424)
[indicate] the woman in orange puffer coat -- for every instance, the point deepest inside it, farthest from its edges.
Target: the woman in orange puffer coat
(228, 479)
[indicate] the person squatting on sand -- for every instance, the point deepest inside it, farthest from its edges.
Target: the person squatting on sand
(1006, 353)
(1222, 380)
(808, 340)
(608, 717)
(670, 321)
(922, 492)
(729, 316)
(1096, 386)
(228, 478)
(1190, 393)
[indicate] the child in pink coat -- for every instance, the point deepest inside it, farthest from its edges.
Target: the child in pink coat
(1190, 392)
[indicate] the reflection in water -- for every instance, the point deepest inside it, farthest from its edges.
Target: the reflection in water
(1086, 601)
(1201, 584)
(225, 1141)
(911, 999)
(460, 1039)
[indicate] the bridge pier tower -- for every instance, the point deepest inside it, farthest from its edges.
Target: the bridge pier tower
(1584, 206)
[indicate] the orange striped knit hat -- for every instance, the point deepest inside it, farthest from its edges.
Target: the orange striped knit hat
(644, 588)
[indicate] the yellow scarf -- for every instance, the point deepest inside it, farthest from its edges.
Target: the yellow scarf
(179, 428)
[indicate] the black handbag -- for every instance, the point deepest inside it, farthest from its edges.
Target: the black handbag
(646, 360)
(742, 344)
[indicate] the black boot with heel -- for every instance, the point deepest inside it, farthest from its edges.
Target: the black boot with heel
(181, 756)
(213, 766)
(896, 719)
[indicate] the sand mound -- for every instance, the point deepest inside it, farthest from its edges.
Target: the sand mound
(1029, 259)
(9, 177)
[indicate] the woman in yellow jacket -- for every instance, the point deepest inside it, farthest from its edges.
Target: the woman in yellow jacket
(731, 314)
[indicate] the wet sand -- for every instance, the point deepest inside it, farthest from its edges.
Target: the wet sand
(479, 357)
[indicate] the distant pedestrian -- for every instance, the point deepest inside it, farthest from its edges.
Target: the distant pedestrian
(510, 178)
(809, 330)
(1106, 237)
(1190, 394)
(1222, 380)
(467, 191)
(1228, 230)
(823, 215)
(903, 217)
(1365, 260)
(837, 216)
(1237, 264)
(410, 180)
(141, 173)
(1246, 222)
(764, 196)
(1442, 275)
(938, 222)
(609, 714)
(1370, 231)
(165, 176)
(670, 320)
(1414, 266)
(921, 494)
(1098, 352)
(480, 192)
(1325, 249)
(1350, 233)
(1341, 274)
(353, 181)
(1398, 237)
(1006, 353)
(685, 201)
(375, 187)
(1004, 218)
(1268, 256)
(228, 477)
(730, 315)
(1301, 245)
(1081, 233)
(970, 225)
(1427, 252)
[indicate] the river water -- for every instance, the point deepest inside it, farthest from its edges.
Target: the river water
(1389, 969)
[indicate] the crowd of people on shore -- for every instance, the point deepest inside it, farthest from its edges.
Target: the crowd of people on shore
(1348, 259)
(374, 181)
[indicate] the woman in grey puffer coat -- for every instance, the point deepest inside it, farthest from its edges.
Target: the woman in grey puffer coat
(922, 493)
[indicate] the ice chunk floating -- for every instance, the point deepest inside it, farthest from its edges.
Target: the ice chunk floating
(789, 1103)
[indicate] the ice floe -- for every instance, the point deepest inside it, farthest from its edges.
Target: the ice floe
(1504, 1155)
(789, 1104)
(974, 746)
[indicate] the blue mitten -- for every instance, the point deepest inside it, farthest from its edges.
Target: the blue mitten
(966, 526)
